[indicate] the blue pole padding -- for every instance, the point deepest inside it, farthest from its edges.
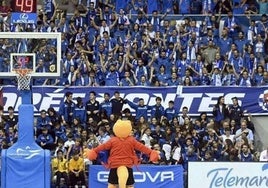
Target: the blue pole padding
(26, 96)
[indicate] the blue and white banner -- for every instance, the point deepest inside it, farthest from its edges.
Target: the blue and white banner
(197, 99)
(226, 174)
(29, 18)
(146, 176)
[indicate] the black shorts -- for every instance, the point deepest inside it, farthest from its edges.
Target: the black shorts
(113, 178)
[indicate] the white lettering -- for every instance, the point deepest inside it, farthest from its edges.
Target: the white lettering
(188, 99)
(208, 102)
(50, 100)
(204, 102)
(16, 107)
(140, 177)
(37, 97)
(228, 97)
(152, 178)
(167, 175)
(11, 99)
(102, 176)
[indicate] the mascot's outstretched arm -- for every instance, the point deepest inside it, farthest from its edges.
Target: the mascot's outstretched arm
(92, 154)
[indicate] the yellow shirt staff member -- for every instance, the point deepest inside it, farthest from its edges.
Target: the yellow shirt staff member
(77, 170)
(60, 168)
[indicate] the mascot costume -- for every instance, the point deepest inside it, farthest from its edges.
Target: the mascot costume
(122, 155)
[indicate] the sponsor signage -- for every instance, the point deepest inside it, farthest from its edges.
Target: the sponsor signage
(197, 99)
(228, 174)
(145, 176)
(29, 18)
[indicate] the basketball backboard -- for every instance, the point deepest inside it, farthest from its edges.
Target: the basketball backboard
(40, 52)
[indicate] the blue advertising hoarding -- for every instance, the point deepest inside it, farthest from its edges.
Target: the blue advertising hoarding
(145, 176)
(197, 99)
(29, 18)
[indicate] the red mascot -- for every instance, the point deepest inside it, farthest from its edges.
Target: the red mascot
(122, 155)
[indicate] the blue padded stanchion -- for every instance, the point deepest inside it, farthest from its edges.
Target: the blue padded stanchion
(25, 164)
(26, 96)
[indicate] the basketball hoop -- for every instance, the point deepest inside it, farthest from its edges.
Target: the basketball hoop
(23, 78)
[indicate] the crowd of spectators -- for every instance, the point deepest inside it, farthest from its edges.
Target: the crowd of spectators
(84, 124)
(129, 43)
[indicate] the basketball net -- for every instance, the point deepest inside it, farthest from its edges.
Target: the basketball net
(23, 78)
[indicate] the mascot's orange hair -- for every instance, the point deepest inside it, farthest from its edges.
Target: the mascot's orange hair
(122, 151)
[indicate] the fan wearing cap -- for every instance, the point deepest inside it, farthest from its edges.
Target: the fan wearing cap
(122, 155)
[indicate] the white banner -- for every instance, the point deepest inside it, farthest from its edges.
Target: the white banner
(228, 174)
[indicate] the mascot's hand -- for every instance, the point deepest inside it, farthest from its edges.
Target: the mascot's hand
(154, 156)
(90, 154)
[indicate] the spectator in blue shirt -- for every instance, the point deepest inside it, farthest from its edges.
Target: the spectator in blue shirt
(60, 132)
(140, 108)
(162, 60)
(245, 80)
(229, 77)
(45, 140)
(111, 75)
(77, 79)
(106, 104)
(190, 155)
(53, 115)
(144, 81)
(207, 38)
(140, 69)
(157, 110)
(120, 4)
(207, 6)
(42, 121)
(232, 25)
(183, 64)
(237, 62)
(128, 80)
(155, 20)
(109, 42)
(257, 76)
(170, 111)
(196, 7)
(41, 67)
(162, 76)
(174, 81)
(238, 9)
(80, 111)
(224, 42)
(91, 12)
(67, 109)
(220, 111)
